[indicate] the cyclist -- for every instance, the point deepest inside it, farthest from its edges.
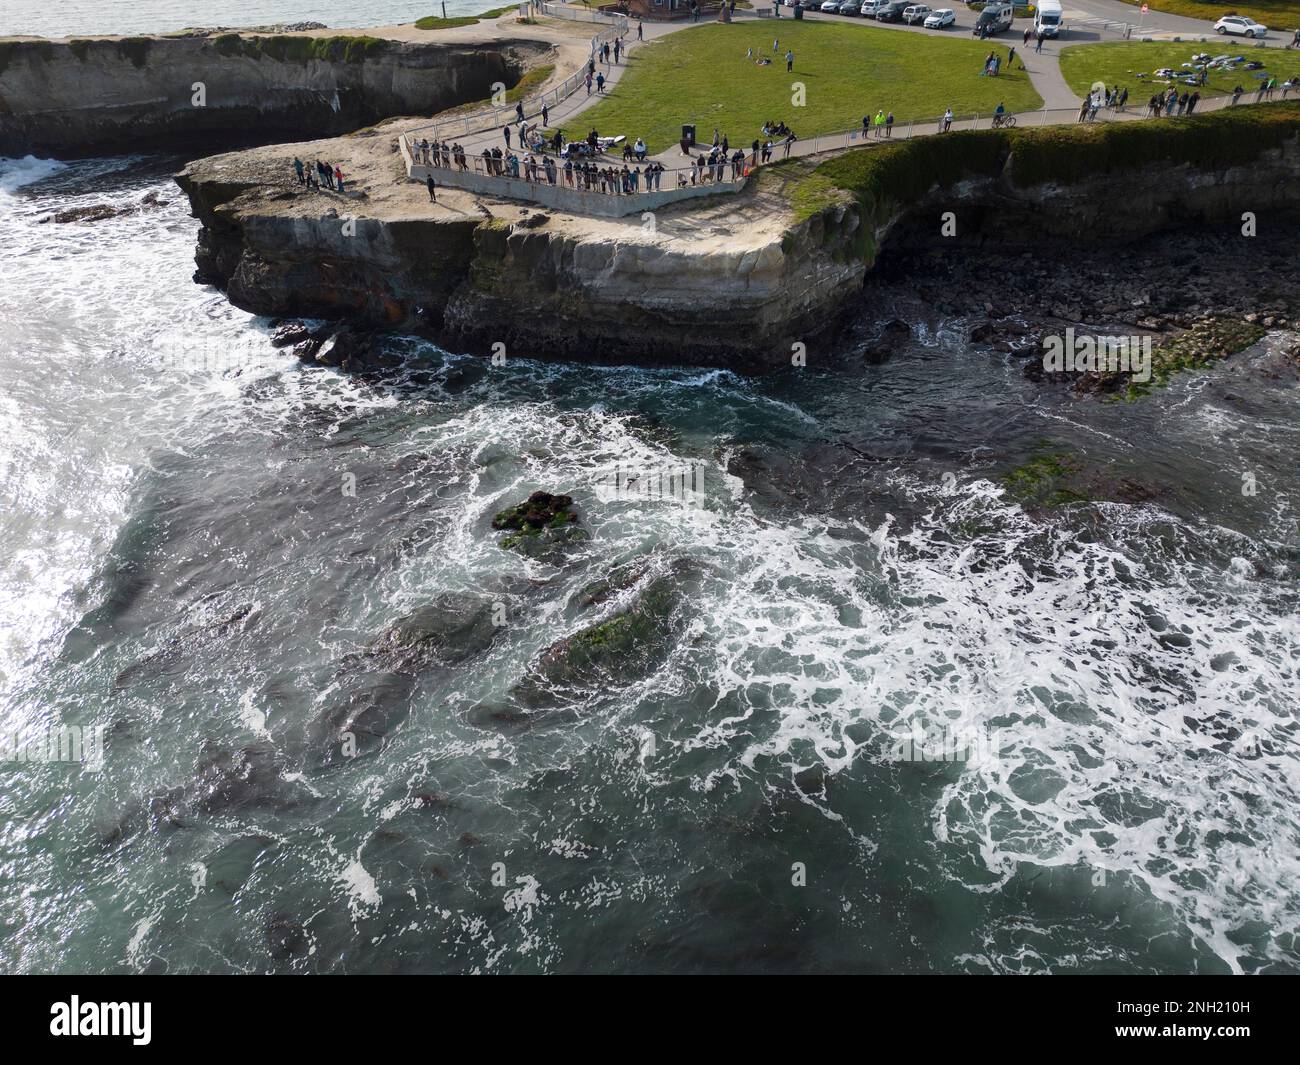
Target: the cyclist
(999, 114)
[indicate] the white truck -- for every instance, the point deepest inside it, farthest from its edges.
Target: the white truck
(1047, 21)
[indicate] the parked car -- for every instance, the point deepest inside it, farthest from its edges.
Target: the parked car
(1241, 26)
(941, 19)
(849, 7)
(891, 12)
(870, 7)
(914, 13)
(993, 19)
(831, 7)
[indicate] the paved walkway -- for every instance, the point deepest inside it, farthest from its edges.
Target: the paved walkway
(1060, 102)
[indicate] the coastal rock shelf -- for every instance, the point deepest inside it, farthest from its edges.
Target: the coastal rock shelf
(737, 281)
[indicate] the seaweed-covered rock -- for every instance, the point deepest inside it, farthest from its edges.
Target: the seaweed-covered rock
(540, 526)
(614, 652)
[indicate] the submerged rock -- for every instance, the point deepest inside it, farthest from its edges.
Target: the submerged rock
(612, 653)
(95, 212)
(894, 333)
(446, 631)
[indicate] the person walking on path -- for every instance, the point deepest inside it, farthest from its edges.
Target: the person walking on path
(789, 143)
(945, 123)
(297, 169)
(1038, 44)
(618, 49)
(338, 177)
(1011, 56)
(546, 115)
(640, 32)
(505, 132)
(430, 184)
(1024, 43)
(600, 84)
(789, 60)
(589, 83)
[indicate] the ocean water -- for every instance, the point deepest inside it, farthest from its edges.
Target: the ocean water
(88, 17)
(186, 565)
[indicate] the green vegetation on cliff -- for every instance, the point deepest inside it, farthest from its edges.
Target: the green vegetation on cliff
(135, 49)
(846, 71)
(293, 48)
(885, 176)
(436, 22)
(11, 50)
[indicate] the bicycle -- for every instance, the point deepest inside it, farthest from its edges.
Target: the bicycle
(1003, 121)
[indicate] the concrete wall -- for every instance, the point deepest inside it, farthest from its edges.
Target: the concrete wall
(560, 197)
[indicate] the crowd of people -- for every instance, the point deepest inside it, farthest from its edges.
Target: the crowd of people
(318, 175)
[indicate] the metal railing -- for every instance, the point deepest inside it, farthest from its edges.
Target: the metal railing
(689, 179)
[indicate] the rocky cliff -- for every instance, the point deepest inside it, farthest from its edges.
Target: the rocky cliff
(734, 282)
(110, 95)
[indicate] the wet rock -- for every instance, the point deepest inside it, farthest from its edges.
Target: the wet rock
(895, 333)
(541, 526)
(95, 212)
(290, 334)
(226, 781)
(446, 631)
(371, 707)
(353, 350)
(605, 588)
(614, 652)
(286, 938)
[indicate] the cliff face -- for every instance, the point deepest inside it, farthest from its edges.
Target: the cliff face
(615, 294)
(610, 290)
(91, 96)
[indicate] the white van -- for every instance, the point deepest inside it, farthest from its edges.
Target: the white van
(1048, 20)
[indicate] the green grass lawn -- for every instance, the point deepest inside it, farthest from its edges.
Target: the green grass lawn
(701, 75)
(1277, 15)
(1120, 63)
(436, 22)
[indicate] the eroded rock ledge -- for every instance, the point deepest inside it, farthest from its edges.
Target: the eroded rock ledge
(89, 96)
(734, 282)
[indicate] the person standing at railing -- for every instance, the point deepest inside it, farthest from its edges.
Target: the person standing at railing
(791, 138)
(546, 115)
(505, 132)
(945, 123)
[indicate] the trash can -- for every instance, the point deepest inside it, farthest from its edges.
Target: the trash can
(688, 135)
(798, 11)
